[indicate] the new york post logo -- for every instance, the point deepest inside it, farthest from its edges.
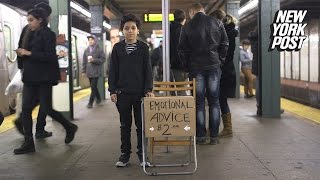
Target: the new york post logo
(287, 30)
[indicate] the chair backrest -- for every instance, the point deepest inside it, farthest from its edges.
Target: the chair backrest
(168, 86)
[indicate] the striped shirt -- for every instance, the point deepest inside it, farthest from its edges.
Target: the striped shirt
(131, 47)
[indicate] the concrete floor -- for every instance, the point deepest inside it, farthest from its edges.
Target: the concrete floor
(266, 149)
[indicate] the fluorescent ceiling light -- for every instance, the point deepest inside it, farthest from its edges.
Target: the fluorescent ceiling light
(106, 25)
(80, 9)
(250, 5)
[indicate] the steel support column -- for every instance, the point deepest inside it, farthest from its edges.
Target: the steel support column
(166, 40)
(98, 30)
(269, 62)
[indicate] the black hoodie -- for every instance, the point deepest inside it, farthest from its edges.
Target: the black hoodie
(130, 73)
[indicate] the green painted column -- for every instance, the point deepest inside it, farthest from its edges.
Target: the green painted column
(60, 23)
(98, 30)
(232, 8)
(269, 62)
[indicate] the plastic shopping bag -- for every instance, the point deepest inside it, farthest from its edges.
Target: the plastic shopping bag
(15, 86)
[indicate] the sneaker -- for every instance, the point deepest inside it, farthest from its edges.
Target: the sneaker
(147, 163)
(123, 160)
(214, 141)
(43, 134)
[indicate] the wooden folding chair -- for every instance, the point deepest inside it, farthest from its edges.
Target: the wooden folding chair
(169, 141)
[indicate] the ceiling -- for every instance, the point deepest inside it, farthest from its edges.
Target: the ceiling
(116, 8)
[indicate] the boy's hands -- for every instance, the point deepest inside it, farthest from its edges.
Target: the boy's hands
(113, 98)
(149, 94)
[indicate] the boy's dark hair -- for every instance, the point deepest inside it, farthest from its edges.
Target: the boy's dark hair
(47, 9)
(245, 42)
(39, 14)
(127, 18)
(179, 15)
(219, 14)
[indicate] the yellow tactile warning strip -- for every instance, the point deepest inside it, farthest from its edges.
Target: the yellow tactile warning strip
(307, 112)
(8, 120)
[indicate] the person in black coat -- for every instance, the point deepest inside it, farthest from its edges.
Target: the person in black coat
(23, 43)
(228, 76)
(177, 66)
(204, 44)
(40, 73)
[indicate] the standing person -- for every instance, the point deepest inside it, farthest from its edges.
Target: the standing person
(157, 62)
(23, 43)
(204, 41)
(40, 73)
(246, 64)
(253, 38)
(93, 59)
(228, 76)
(130, 79)
(177, 66)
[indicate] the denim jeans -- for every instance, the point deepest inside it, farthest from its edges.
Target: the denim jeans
(207, 84)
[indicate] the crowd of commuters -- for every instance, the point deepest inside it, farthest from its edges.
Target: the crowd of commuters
(202, 49)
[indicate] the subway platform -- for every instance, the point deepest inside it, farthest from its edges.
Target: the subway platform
(264, 149)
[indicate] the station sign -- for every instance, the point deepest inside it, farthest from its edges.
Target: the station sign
(169, 116)
(156, 17)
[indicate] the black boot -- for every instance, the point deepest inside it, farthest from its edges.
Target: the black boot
(41, 134)
(26, 147)
(19, 126)
(71, 131)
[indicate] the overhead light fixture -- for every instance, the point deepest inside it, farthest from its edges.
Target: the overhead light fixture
(106, 25)
(250, 5)
(80, 9)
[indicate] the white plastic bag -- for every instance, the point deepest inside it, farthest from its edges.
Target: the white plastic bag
(15, 86)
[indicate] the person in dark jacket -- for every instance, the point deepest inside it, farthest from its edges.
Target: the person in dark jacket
(204, 44)
(40, 73)
(93, 59)
(178, 69)
(130, 79)
(157, 62)
(23, 43)
(228, 76)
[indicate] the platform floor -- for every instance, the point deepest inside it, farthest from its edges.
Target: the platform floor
(266, 149)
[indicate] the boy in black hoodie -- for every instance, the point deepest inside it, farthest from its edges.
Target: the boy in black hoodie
(130, 79)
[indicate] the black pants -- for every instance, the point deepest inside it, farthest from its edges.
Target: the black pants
(94, 90)
(41, 118)
(224, 106)
(125, 103)
(44, 93)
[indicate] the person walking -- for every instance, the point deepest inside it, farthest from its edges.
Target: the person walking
(40, 74)
(93, 59)
(23, 43)
(204, 44)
